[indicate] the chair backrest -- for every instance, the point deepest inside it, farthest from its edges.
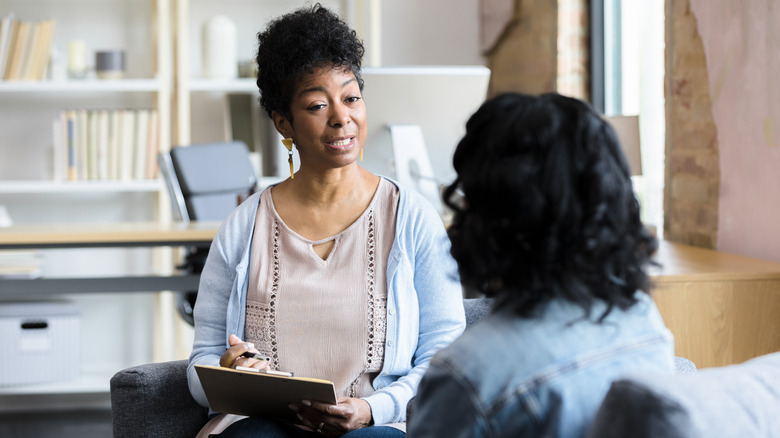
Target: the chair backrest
(731, 401)
(207, 181)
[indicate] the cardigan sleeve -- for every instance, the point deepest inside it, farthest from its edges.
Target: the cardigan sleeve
(222, 276)
(427, 298)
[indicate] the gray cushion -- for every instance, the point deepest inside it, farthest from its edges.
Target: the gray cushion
(735, 401)
(153, 400)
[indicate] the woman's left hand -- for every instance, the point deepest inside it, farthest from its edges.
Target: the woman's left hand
(334, 420)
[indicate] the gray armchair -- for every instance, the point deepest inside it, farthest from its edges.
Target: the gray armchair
(153, 400)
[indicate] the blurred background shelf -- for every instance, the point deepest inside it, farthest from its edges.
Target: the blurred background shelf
(51, 187)
(80, 86)
(242, 85)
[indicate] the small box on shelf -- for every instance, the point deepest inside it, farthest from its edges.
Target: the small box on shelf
(39, 342)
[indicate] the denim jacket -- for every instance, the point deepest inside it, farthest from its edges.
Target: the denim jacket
(424, 302)
(540, 377)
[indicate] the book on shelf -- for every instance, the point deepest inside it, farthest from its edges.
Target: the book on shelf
(141, 138)
(20, 264)
(82, 144)
(15, 53)
(42, 51)
(25, 48)
(126, 144)
(7, 24)
(114, 121)
(92, 145)
(70, 144)
(28, 51)
(58, 160)
(153, 145)
(105, 144)
(102, 144)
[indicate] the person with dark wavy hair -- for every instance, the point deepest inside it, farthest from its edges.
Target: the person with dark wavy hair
(546, 222)
(334, 273)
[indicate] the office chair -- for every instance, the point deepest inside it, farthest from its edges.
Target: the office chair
(205, 182)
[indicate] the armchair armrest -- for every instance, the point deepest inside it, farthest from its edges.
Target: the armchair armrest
(153, 400)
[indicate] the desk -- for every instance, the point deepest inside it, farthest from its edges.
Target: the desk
(131, 234)
(722, 308)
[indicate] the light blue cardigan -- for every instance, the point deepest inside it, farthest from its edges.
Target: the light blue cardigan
(424, 302)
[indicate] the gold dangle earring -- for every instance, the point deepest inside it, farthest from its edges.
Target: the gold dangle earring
(361, 154)
(288, 143)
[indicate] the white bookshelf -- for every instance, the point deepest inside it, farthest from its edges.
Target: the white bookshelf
(242, 85)
(90, 391)
(121, 325)
(65, 187)
(81, 86)
(88, 382)
(141, 28)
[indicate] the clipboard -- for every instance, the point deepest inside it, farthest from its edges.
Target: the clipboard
(260, 394)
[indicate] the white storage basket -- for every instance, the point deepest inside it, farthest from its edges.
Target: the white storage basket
(39, 342)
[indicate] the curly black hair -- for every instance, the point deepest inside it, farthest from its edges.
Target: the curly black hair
(544, 207)
(298, 43)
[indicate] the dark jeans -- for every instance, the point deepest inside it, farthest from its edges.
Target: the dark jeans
(261, 427)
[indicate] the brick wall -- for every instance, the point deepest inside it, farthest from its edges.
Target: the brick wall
(692, 176)
(524, 58)
(573, 78)
(543, 47)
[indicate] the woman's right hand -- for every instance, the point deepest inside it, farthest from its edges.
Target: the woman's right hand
(232, 356)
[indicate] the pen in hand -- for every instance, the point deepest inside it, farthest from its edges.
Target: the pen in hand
(258, 356)
(262, 357)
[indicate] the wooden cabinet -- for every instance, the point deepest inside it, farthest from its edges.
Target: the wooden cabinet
(722, 308)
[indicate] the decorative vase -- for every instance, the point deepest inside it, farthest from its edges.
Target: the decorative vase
(219, 48)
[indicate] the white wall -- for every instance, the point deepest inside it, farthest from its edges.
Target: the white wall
(413, 32)
(430, 32)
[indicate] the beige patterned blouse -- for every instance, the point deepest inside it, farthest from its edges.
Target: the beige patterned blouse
(323, 318)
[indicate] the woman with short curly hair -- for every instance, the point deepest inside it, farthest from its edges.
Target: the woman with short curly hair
(334, 273)
(546, 222)
(297, 44)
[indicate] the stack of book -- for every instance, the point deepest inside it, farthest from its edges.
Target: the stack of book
(20, 264)
(25, 48)
(106, 144)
